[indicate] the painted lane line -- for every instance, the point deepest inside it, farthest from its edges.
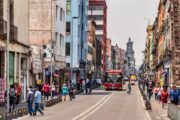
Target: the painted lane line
(144, 105)
(97, 108)
(75, 118)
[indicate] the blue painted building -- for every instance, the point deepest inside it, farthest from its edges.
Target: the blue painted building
(76, 35)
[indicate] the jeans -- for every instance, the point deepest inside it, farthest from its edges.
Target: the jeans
(12, 103)
(53, 93)
(30, 108)
(46, 95)
(37, 108)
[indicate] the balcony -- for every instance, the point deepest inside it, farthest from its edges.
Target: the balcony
(13, 31)
(2, 29)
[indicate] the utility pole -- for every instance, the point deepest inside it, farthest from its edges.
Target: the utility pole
(7, 53)
(51, 63)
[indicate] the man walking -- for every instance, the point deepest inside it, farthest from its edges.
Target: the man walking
(38, 100)
(174, 95)
(129, 88)
(30, 99)
(12, 97)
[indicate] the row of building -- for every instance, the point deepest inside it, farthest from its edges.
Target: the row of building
(55, 41)
(162, 52)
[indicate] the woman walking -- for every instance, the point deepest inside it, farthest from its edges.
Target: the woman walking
(156, 89)
(64, 91)
(164, 96)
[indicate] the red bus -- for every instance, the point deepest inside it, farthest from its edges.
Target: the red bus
(113, 80)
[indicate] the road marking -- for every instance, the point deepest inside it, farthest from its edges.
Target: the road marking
(144, 105)
(97, 108)
(75, 118)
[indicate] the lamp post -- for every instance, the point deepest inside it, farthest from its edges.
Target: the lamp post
(7, 53)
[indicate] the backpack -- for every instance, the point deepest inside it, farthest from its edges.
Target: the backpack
(11, 92)
(174, 96)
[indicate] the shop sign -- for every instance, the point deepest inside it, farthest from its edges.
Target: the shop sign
(36, 62)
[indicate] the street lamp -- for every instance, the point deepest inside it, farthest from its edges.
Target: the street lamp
(7, 53)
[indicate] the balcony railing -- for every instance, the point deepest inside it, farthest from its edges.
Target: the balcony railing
(13, 31)
(2, 29)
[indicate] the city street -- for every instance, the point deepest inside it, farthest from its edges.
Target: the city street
(101, 105)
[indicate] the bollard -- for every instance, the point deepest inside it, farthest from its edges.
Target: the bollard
(7, 116)
(47, 104)
(20, 112)
(14, 115)
(1, 117)
(148, 104)
(24, 111)
(53, 102)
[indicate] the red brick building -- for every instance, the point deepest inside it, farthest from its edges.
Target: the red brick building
(98, 12)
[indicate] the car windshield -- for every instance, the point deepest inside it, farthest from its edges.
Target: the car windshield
(113, 78)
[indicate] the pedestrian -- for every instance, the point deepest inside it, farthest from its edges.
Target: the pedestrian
(174, 95)
(30, 100)
(12, 98)
(150, 90)
(46, 91)
(84, 86)
(53, 90)
(71, 92)
(88, 87)
(164, 96)
(18, 91)
(64, 91)
(156, 89)
(159, 94)
(37, 101)
(129, 88)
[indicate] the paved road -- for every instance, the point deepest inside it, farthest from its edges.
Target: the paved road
(101, 105)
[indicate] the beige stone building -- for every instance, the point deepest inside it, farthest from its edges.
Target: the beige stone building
(47, 37)
(18, 45)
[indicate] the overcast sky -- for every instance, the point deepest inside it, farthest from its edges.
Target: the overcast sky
(126, 19)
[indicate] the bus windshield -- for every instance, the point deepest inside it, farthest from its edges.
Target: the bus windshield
(113, 78)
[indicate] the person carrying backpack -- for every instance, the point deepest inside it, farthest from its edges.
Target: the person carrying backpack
(174, 95)
(30, 100)
(12, 97)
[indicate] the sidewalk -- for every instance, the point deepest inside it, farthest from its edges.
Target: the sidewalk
(157, 112)
(3, 108)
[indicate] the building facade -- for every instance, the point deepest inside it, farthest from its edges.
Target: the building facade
(165, 45)
(108, 54)
(18, 43)
(130, 60)
(47, 28)
(91, 57)
(76, 38)
(98, 12)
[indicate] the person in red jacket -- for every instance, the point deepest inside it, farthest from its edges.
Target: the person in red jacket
(18, 90)
(164, 96)
(46, 90)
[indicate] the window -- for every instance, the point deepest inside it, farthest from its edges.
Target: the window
(68, 28)
(68, 49)
(67, 64)
(99, 37)
(60, 42)
(90, 50)
(61, 14)
(68, 7)
(99, 27)
(56, 11)
(96, 8)
(96, 17)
